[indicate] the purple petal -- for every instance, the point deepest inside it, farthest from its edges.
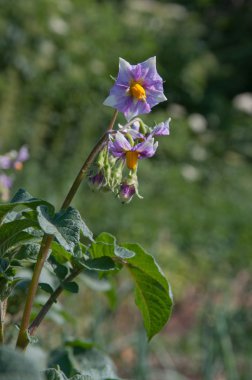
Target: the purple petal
(119, 146)
(137, 108)
(146, 148)
(161, 129)
(126, 192)
(5, 162)
(125, 72)
(5, 181)
(23, 154)
(153, 97)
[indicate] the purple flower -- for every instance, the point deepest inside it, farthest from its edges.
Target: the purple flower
(22, 156)
(96, 181)
(5, 181)
(137, 89)
(5, 162)
(126, 192)
(122, 148)
(161, 129)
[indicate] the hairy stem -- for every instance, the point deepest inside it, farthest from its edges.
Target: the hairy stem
(3, 308)
(23, 340)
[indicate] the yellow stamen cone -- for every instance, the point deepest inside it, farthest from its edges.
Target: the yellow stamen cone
(131, 159)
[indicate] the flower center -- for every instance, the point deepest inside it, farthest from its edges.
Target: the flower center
(137, 91)
(131, 159)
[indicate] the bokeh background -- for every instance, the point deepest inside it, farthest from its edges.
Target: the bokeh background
(56, 57)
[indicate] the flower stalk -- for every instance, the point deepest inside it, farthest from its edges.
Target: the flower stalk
(23, 339)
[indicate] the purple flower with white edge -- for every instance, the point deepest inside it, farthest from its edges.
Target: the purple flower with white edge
(137, 88)
(122, 148)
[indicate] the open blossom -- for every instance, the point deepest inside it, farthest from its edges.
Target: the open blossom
(137, 89)
(122, 148)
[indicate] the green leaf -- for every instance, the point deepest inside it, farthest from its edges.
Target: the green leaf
(13, 234)
(95, 364)
(14, 365)
(71, 286)
(24, 199)
(46, 287)
(61, 254)
(28, 251)
(86, 231)
(152, 291)
(123, 253)
(6, 287)
(104, 263)
(61, 271)
(64, 225)
(105, 245)
(79, 343)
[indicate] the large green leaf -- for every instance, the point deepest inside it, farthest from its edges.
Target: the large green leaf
(13, 234)
(64, 225)
(152, 291)
(24, 199)
(14, 365)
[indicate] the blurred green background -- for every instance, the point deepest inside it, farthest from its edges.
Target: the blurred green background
(56, 57)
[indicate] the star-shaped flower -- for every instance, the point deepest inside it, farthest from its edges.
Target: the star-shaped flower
(137, 88)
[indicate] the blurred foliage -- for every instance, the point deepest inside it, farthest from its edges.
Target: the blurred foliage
(56, 57)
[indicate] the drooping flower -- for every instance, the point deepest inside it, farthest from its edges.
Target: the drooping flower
(96, 181)
(137, 88)
(126, 192)
(122, 148)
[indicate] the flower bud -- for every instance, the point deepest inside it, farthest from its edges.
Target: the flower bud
(126, 192)
(96, 181)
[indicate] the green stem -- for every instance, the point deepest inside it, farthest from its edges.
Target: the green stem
(3, 308)
(22, 340)
(87, 163)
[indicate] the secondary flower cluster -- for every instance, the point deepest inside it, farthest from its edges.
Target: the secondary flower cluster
(10, 161)
(136, 90)
(116, 167)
